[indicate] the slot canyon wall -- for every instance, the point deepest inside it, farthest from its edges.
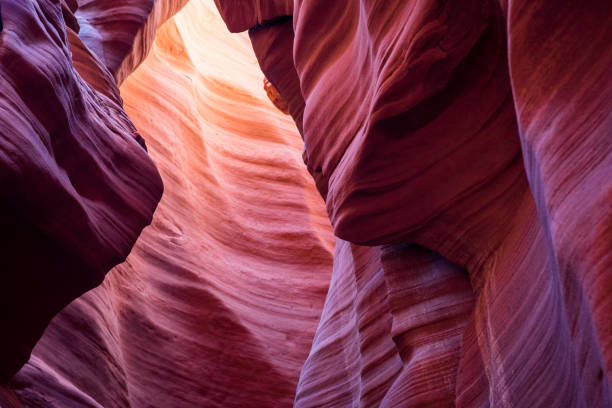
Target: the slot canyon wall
(462, 150)
(218, 301)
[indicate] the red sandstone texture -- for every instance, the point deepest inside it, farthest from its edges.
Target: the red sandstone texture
(120, 32)
(464, 153)
(472, 141)
(220, 298)
(77, 187)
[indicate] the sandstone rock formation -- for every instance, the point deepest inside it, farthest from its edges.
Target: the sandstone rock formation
(219, 300)
(410, 128)
(77, 188)
(120, 33)
(463, 151)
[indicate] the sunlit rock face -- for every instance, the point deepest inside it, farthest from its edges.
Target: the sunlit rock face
(219, 300)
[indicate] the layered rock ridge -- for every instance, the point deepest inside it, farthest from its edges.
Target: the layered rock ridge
(77, 183)
(468, 146)
(218, 302)
(462, 149)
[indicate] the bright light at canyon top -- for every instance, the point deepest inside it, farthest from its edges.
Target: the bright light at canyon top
(218, 56)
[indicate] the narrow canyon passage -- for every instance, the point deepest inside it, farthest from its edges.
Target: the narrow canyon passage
(307, 203)
(219, 300)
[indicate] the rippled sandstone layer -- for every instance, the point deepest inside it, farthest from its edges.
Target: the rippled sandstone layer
(463, 152)
(479, 131)
(218, 301)
(77, 183)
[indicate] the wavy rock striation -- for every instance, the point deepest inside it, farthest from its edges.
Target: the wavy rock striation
(470, 140)
(463, 152)
(121, 32)
(219, 300)
(77, 188)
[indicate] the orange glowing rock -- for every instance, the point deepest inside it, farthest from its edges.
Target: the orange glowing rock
(275, 97)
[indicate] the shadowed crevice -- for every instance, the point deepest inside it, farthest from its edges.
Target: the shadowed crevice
(271, 22)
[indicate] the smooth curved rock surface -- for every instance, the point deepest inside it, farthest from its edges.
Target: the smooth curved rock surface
(219, 300)
(463, 151)
(390, 334)
(563, 96)
(426, 140)
(273, 46)
(77, 188)
(120, 32)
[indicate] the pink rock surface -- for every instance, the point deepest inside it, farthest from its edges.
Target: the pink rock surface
(120, 32)
(219, 300)
(273, 46)
(77, 189)
(410, 128)
(390, 333)
(563, 96)
(463, 150)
